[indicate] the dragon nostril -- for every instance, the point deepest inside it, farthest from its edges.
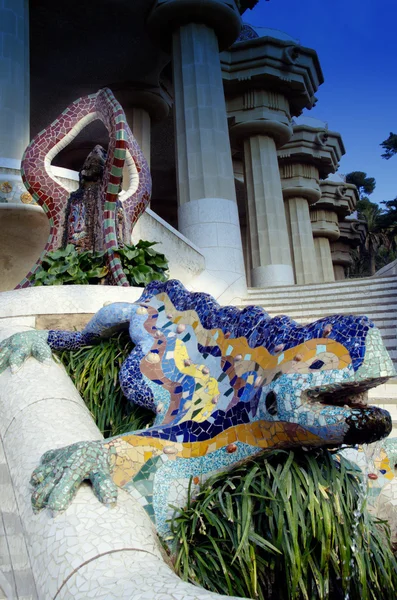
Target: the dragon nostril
(271, 403)
(317, 364)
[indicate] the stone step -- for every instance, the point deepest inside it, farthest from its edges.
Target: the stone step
(383, 296)
(388, 310)
(329, 288)
(370, 305)
(382, 317)
(303, 291)
(373, 297)
(384, 394)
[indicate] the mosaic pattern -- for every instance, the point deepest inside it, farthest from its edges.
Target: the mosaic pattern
(16, 349)
(378, 463)
(123, 151)
(12, 190)
(225, 384)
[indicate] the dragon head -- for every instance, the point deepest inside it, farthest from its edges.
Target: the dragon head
(322, 382)
(268, 382)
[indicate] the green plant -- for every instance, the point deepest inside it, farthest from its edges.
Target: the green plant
(94, 371)
(66, 266)
(286, 526)
(142, 264)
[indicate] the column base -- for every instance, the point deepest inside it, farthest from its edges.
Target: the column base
(212, 224)
(301, 239)
(324, 260)
(339, 272)
(272, 275)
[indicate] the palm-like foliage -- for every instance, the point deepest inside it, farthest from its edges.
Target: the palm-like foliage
(380, 241)
(377, 235)
(94, 371)
(286, 526)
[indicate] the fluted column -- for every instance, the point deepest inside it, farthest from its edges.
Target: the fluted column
(325, 229)
(338, 199)
(140, 124)
(143, 105)
(267, 81)
(311, 154)
(300, 189)
(270, 251)
(207, 213)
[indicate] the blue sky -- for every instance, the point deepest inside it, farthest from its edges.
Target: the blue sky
(356, 44)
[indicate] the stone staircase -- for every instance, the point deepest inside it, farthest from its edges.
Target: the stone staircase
(375, 297)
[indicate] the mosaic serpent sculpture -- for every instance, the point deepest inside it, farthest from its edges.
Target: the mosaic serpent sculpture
(123, 151)
(225, 384)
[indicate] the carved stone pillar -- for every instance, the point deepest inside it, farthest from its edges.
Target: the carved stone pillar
(301, 188)
(270, 252)
(207, 213)
(143, 105)
(312, 153)
(325, 229)
(352, 234)
(338, 199)
(260, 123)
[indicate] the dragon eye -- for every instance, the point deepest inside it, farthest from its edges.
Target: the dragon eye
(317, 364)
(271, 403)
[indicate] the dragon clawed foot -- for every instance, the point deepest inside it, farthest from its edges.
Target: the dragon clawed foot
(60, 473)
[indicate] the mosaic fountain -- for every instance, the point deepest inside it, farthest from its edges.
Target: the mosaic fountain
(225, 384)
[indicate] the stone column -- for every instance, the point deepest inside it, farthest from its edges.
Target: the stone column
(270, 251)
(139, 121)
(352, 234)
(207, 213)
(325, 228)
(143, 105)
(297, 200)
(260, 123)
(312, 153)
(338, 199)
(14, 97)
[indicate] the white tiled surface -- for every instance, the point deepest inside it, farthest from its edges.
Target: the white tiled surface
(135, 576)
(89, 550)
(63, 299)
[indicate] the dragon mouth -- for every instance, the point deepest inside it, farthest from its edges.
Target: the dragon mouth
(366, 424)
(348, 396)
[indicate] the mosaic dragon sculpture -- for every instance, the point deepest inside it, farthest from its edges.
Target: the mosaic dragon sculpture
(225, 384)
(123, 151)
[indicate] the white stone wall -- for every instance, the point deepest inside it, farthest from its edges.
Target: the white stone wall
(185, 260)
(89, 550)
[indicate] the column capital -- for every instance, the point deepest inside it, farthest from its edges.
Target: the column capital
(324, 224)
(280, 132)
(220, 15)
(258, 112)
(352, 233)
(273, 63)
(338, 196)
(314, 145)
(299, 180)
